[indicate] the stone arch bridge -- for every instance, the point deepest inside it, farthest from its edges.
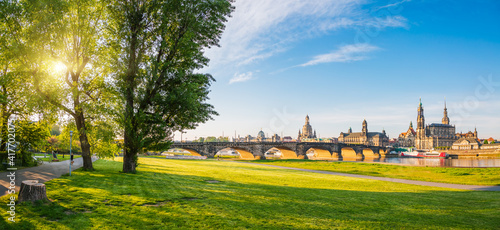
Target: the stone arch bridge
(293, 150)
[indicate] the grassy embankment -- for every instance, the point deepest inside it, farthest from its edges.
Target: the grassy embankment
(470, 176)
(172, 194)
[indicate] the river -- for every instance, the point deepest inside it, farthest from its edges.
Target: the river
(463, 162)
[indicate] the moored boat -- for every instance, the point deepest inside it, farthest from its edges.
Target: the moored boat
(413, 153)
(436, 154)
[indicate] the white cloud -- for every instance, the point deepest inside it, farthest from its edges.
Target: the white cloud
(347, 53)
(394, 4)
(260, 29)
(241, 77)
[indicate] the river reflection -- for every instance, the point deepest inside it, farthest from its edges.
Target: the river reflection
(464, 162)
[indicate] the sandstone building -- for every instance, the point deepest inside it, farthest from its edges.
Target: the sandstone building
(436, 134)
(407, 139)
(307, 131)
(364, 137)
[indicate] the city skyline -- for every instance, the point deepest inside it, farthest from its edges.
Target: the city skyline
(341, 62)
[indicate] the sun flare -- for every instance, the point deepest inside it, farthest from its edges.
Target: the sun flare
(59, 67)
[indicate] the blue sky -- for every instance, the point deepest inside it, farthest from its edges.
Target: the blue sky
(342, 61)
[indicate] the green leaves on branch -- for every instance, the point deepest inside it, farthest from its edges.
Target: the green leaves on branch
(159, 46)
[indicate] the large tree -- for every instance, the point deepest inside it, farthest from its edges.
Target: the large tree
(160, 45)
(63, 51)
(16, 99)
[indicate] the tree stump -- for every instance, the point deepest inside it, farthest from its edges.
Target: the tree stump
(31, 190)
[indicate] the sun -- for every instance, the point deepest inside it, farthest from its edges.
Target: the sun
(59, 67)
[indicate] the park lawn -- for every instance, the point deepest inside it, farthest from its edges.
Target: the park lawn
(59, 156)
(181, 194)
(469, 176)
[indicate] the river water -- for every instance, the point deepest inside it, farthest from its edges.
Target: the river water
(463, 162)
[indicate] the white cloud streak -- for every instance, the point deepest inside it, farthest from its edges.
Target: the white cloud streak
(394, 4)
(347, 53)
(260, 29)
(241, 77)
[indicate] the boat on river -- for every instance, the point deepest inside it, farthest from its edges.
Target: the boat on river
(419, 153)
(435, 154)
(413, 153)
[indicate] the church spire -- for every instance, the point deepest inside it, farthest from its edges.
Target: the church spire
(420, 117)
(446, 119)
(365, 127)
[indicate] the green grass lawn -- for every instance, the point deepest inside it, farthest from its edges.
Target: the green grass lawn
(59, 156)
(470, 176)
(181, 194)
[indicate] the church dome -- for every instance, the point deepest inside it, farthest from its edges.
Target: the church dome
(261, 134)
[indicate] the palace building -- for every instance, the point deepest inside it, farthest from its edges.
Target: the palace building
(364, 137)
(436, 134)
(407, 139)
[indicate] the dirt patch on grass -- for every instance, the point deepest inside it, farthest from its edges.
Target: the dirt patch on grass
(155, 204)
(212, 181)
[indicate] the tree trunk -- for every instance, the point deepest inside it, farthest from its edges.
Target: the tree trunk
(31, 190)
(129, 152)
(131, 140)
(80, 125)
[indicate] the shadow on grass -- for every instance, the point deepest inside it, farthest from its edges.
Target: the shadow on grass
(165, 199)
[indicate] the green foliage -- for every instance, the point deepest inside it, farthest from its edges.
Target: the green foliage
(64, 138)
(211, 139)
(59, 46)
(223, 139)
(30, 135)
(56, 130)
(161, 146)
(158, 47)
(102, 139)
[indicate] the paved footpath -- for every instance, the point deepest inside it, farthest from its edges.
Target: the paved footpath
(42, 173)
(423, 183)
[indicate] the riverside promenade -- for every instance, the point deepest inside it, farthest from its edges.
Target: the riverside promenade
(42, 173)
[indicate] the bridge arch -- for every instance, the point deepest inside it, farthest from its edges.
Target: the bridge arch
(286, 153)
(193, 152)
(316, 153)
(369, 154)
(244, 154)
(349, 153)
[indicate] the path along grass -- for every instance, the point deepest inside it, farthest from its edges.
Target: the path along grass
(469, 176)
(172, 194)
(59, 157)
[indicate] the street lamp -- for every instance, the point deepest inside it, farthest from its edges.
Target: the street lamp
(70, 154)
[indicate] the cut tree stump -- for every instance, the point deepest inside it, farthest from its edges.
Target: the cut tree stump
(31, 190)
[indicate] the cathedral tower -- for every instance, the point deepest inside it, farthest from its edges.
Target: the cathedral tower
(365, 128)
(420, 119)
(420, 138)
(445, 120)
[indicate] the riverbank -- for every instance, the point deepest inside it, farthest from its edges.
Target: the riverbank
(211, 194)
(475, 153)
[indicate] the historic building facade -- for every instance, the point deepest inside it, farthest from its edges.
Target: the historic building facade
(364, 137)
(436, 134)
(407, 139)
(466, 143)
(307, 131)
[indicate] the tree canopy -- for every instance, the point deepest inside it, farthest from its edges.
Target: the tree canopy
(159, 45)
(110, 65)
